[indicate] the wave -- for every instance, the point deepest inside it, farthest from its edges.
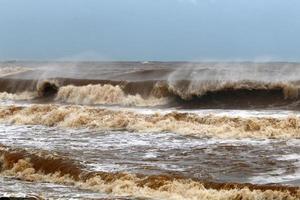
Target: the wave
(181, 123)
(184, 89)
(180, 85)
(104, 94)
(43, 166)
(184, 94)
(189, 89)
(230, 94)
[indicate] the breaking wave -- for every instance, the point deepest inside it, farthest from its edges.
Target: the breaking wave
(180, 85)
(104, 94)
(43, 166)
(46, 88)
(189, 89)
(185, 94)
(181, 123)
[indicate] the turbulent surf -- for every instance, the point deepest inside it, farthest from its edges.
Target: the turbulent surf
(151, 130)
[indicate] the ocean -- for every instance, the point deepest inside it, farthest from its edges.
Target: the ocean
(150, 130)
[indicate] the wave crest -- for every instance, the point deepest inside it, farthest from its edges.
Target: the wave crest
(104, 94)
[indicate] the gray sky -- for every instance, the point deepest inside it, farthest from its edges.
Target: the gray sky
(150, 30)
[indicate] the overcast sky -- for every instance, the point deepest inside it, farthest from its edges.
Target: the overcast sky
(150, 30)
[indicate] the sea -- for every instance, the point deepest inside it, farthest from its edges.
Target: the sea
(150, 130)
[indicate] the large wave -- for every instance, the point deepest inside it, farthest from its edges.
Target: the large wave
(184, 94)
(196, 86)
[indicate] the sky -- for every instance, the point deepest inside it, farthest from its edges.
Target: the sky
(141, 30)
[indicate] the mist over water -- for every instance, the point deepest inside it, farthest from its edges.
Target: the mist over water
(154, 130)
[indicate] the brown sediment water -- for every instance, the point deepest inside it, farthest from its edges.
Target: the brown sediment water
(181, 123)
(52, 168)
(151, 130)
(104, 94)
